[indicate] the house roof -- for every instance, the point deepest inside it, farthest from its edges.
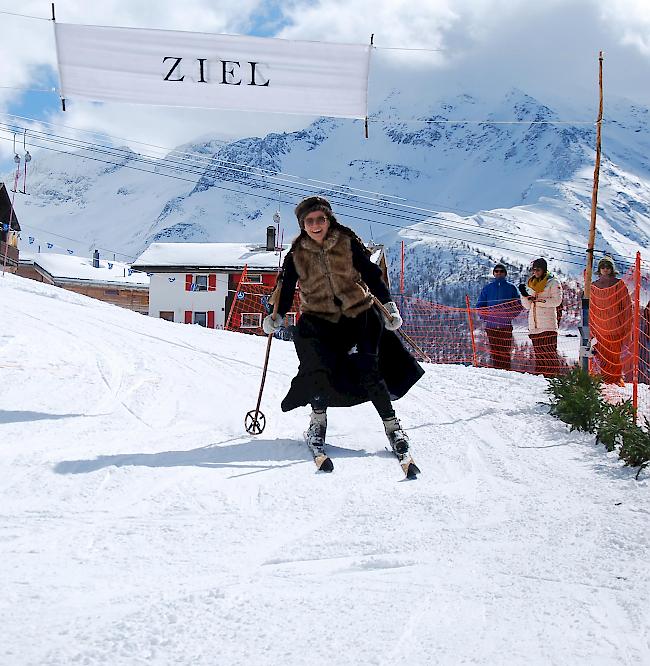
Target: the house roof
(80, 269)
(6, 212)
(216, 256)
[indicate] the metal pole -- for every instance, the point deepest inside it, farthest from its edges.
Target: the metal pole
(401, 278)
(585, 336)
(635, 333)
(471, 329)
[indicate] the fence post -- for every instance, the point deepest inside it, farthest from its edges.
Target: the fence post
(471, 330)
(635, 334)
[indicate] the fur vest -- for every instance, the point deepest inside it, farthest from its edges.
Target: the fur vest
(330, 285)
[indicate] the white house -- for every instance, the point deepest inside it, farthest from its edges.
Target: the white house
(196, 282)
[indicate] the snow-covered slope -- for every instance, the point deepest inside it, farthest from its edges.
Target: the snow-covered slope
(511, 191)
(141, 524)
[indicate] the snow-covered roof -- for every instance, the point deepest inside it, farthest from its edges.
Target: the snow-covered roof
(210, 255)
(71, 267)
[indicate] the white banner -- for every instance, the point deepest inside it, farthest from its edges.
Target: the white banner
(187, 69)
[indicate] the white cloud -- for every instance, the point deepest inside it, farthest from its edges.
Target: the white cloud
(548, 49)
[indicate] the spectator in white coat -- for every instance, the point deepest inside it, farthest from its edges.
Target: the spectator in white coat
(541, 296)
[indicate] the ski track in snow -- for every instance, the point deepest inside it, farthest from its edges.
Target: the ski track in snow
(140, 524)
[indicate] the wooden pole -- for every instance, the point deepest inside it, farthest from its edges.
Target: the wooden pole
(594, 192)
(585, 335)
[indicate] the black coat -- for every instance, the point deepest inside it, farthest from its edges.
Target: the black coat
(327, 369)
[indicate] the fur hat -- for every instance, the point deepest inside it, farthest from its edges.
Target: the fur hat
(607, 261)
(309, 205)
(502, 267)
(540, 263)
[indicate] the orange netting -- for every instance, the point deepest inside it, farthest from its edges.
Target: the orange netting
(610, 323)
(498, 337)
(489, 337)
(250, 304)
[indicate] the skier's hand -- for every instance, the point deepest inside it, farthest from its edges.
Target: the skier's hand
(271, 325)
(395, 320)
(523, 291)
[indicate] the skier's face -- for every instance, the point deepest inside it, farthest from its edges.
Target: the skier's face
(317, 225)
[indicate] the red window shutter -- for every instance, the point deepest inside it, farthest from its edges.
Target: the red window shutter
(212, 282)
(188, 316)
(188, 283)
(210, 318)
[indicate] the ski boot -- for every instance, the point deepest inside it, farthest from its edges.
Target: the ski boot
(315, 434)
(398, 439)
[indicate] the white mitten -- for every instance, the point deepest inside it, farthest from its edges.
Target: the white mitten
(395, 320)
(271, 325)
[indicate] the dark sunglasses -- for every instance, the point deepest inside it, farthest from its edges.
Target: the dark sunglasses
(498, 270)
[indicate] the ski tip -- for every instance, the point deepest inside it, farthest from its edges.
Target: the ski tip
(326, 465)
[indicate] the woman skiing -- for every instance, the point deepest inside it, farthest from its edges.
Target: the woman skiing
(347, 351)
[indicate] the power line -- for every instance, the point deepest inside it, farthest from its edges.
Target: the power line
(248, 170)
(38, 18)
(34, 90)
(182, 168)
(544, 245)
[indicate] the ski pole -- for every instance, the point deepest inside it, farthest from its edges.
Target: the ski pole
(255, 421)
(406, 337)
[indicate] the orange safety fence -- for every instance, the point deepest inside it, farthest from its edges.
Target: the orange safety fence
(487, 337)
(497, 336)
(619, 321)
(250, 304)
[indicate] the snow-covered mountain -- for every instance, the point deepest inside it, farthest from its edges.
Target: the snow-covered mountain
(465, 192)
(141, 524)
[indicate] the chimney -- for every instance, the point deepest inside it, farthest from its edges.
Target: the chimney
(270, 239)
(96, 259)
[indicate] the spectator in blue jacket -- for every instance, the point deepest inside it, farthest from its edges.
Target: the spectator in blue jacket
(498, 305)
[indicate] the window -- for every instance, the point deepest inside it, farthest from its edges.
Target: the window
(290, 319)
(111, 292)
(168, 315)
(200, 283)
(201, 318)
(251, 320)
(253, 279)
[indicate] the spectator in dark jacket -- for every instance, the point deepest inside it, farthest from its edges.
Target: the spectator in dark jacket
(498, 305)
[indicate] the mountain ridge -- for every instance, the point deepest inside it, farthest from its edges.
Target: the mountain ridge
(509, 178)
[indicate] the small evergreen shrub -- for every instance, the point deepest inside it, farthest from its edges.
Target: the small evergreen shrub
(635, 449)
(576, 399)
(615, 425)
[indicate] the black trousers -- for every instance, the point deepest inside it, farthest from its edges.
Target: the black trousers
(358, 335)
(545, 348)
(500, 342)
